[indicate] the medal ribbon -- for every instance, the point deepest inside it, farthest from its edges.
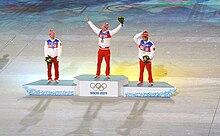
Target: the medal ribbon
(145, 46)
(102, 35)
(53, 45)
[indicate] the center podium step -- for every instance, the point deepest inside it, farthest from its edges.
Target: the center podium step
(87, 85)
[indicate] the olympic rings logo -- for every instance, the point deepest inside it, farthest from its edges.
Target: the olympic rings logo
(98, 86)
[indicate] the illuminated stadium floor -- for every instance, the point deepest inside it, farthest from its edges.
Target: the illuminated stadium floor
(186, 34)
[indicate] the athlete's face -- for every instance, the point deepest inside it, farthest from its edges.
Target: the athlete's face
(52, 36)
(145, 38)
(104, 28)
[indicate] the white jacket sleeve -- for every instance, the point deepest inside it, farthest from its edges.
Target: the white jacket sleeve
(94, 28)
(152, 48)
(45, 49)
(137, 38)
(114, 31)
(59, 49)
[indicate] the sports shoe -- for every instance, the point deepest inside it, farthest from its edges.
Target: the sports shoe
(139, 83)
(150, 84)
(97, 76)
(108, 76)
(49, 81)
(57, 81)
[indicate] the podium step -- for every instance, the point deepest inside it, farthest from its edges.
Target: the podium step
(41, 87)
(159, 89)
(87, 85)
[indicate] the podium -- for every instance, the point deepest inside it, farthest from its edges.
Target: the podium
(87, 85)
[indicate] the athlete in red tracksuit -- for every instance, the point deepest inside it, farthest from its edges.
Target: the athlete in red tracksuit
(104, 45)
(53, 50)
(146, 54)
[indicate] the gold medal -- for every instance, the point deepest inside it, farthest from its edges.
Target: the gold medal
(102, 41)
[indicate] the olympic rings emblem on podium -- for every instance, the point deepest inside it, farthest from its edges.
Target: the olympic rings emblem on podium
(98, 86)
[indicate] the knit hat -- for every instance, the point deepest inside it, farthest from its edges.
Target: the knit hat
(105, 25)
(52, 31)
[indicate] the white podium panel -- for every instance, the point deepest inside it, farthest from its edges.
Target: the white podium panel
(159, 89)
(87, 85)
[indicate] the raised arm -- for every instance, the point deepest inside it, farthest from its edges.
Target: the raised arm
(94, 28)
(137, 38)
(114, 31)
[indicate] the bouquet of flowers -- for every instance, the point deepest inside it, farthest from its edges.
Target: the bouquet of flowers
(48, 59)
(121, 20)
(146, 59)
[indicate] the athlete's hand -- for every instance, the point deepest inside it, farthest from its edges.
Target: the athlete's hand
(88, 18)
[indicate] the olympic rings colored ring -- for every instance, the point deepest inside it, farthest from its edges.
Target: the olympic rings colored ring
(98, 86)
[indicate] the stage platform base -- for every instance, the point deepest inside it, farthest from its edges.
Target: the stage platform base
(41, 87)
(87, 85)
